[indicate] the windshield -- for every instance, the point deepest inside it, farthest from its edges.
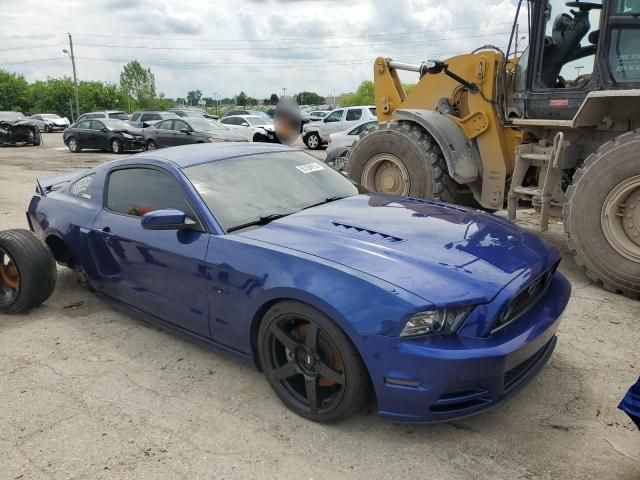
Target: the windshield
(50, 116)
(244, 189)
(258, 120)
(114, 124)
(11, 116)
(193, 113)
(204, 125)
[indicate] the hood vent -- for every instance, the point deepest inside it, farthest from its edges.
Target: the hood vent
(367, 233)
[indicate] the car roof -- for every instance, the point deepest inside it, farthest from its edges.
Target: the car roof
(196, 154)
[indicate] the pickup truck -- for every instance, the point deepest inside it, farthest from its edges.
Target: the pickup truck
(316, 134)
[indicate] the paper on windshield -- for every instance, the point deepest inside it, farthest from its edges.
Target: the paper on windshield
(310, 167)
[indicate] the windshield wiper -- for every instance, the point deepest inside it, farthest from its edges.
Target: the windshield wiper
(326, 200)
(260, 221)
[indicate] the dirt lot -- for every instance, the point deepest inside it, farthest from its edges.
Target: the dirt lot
(86, 392)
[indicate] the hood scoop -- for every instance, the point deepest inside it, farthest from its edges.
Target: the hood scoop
(367, 233)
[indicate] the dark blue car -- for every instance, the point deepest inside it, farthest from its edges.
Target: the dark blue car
(338, 296)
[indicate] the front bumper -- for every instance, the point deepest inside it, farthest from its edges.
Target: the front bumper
(437, 379)
(133, 144)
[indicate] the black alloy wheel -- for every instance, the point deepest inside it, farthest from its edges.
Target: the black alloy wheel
(311, 364)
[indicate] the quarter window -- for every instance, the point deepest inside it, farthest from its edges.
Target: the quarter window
(83, 188)
(136, 191)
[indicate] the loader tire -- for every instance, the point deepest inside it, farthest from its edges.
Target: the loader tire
(27, 271)
(400, 158)
(601, 215)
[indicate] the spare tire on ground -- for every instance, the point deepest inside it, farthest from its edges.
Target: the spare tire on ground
(27, 271)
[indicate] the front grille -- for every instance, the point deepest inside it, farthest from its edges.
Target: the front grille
(516, 373)
(525, 299)
(461, 400)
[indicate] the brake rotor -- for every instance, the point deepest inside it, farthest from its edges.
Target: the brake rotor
(334, 362)
(9, 275)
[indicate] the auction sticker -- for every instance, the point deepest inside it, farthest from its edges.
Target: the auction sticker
(310, 167)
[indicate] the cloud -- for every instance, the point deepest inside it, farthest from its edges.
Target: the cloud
(251, 45)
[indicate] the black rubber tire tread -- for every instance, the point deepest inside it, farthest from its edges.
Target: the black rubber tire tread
(305, 139)
(77, 144)
(36, 268)
(612, 163)
(149, 143)
(358, 389)
(428, 173)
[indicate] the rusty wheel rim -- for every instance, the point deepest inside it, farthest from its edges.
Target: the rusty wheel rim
(386, 173)
(9, 279)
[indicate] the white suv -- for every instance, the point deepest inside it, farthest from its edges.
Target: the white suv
(316, 134)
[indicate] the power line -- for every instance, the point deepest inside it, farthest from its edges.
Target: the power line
(210, 39)
(32, 47)
(57, 59)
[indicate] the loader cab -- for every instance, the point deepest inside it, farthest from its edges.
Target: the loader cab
(570, 49)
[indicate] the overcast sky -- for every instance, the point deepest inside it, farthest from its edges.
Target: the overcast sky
(226, 46)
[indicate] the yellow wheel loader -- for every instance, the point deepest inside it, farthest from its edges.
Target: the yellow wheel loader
(556, 125)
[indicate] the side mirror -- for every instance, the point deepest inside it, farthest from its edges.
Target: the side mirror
(185, 130)
(104, 129)
(169, 219)
(244, 124)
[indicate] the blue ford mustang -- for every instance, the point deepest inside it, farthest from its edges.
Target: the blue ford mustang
(337, 295)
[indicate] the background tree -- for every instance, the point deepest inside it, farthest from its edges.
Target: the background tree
(14, 92)
(241, 100)
(193, 97)
(273, 99)
(308, 98)
(138, 83)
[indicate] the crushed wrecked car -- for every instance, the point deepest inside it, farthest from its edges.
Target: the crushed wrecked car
(16, 129)
(339, 296)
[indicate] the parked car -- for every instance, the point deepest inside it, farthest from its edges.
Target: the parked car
(50, 122)
(317, 114)
(147, 119)
(193, 112)
(316, 134)
(254, 127)
(185, 130)
(103, 134)
(339, 143)
(115, 114)
(435, 311)
(16, 129)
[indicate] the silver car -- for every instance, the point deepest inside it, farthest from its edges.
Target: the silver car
(339, 143)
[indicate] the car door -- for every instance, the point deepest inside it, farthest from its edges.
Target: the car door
(352, 118)
(180, 137)
(162, 133)
(98, 138)
(160, 272)
(332, 123)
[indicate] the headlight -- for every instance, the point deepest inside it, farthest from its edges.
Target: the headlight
(126, 135)
(211, 139)
(436, 322)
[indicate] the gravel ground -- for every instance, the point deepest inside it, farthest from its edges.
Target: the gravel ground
(86, 392)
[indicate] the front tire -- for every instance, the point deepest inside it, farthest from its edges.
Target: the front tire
(311, 364)
(312, 141)
(402, 159)
(116, 145)
(47, 128)
(151, 145)
(602, 215)
(27, 271)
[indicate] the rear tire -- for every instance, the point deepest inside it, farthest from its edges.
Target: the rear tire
(602, 215)
(73, 145)
(27, 271)
(116, 146)
(402, 159)
(151, 145)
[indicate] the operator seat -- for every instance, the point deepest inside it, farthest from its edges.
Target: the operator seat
(563, 44)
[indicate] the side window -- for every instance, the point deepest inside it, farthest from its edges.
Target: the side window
(335, 116)
(96, 125)
(624, 58)
(95, 115)
(85, 124)
(165, 125)
(136, 191)
(134, 117)
(154, 116)
(373, 111)
(83, 187)
(179, 125)
(354, 114)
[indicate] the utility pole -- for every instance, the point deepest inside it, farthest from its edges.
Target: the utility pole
(75, 76)
(215, 99)
(284, 91)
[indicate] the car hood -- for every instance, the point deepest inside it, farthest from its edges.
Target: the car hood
(58, 121)
(131, 131)
(442, 253)
(312, 125)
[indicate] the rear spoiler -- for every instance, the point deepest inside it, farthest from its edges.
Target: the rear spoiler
(57, 182)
